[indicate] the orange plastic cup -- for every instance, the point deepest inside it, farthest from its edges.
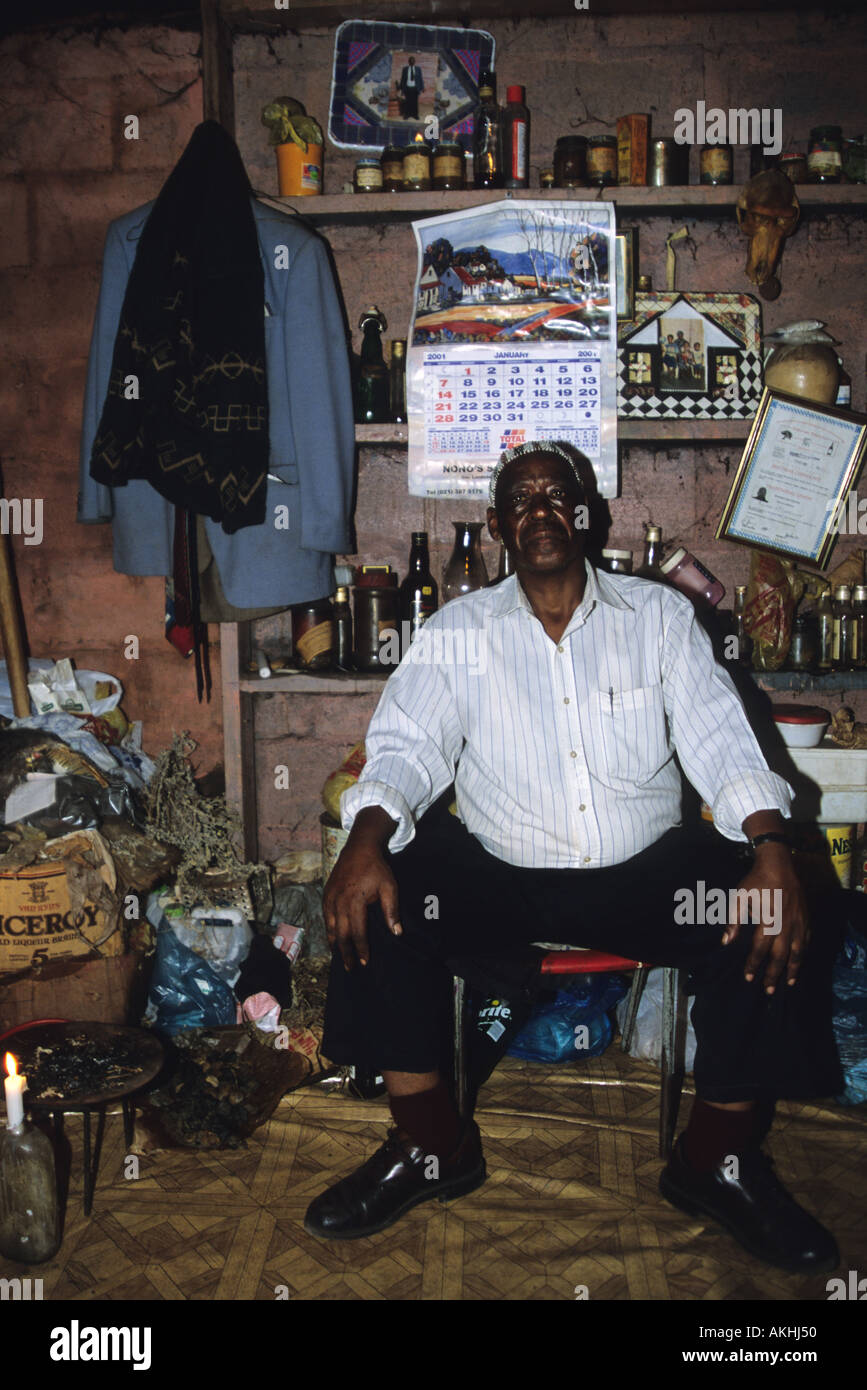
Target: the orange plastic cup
(299, 172)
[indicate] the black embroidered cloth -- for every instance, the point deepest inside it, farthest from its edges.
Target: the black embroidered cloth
(187, 404)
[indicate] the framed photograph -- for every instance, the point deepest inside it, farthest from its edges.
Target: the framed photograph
(392, 82)
(723, 372)
(626, 258)
(790, 489)
(710, 359)
(641, 366)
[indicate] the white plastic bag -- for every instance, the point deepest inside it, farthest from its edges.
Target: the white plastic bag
(647, 1034)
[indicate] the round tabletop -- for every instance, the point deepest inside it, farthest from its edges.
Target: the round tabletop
(146, 1059)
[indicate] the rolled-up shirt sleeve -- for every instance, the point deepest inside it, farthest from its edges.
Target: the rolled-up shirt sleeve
(412, 746)
(717, 748)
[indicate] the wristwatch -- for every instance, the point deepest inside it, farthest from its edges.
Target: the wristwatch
(772, 837)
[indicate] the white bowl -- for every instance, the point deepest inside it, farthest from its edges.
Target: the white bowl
(801, 726)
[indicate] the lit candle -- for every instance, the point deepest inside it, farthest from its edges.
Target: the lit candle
(15, 1087)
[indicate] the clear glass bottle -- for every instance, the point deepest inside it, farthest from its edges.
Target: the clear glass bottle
(465, 570)
(515, 127)
(650, 565)
(342, 629)
(504, 567)
(419, 594)
(859, 603)
(825, 634)
(29, 1214)
(739, 631)
(487, 149)
(372, 390)
(397, 380)
(844, 621)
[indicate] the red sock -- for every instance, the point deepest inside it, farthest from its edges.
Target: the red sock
(429, 1118)
(712, 1134)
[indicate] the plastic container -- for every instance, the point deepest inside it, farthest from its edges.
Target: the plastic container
(570, 162)
(617, 561)
(801, 726)
(689, 575)
(299, 172)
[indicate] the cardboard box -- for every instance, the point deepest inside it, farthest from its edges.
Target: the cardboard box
(632, 133)
(37, 920)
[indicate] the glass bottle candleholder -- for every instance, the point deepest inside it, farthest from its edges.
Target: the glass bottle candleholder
(465, 570)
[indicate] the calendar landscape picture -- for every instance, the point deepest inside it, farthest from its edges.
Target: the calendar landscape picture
(518, 273)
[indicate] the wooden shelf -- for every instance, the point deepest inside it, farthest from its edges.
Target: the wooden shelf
(691, 200)
(306, 683)
(801, 680)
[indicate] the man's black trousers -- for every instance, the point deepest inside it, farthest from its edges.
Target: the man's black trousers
(457, 902)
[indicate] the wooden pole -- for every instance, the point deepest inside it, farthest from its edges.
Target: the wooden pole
(13, 637)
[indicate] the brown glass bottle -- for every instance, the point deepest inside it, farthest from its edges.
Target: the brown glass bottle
(373, 403)
(739, 632)
(650, 565)
(419, 594)
(487, 148)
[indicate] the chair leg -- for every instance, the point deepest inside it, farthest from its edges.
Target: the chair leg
(460, 1050)
(636, 989)
(673, 1059)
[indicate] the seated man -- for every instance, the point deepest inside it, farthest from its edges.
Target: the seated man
(560, 696)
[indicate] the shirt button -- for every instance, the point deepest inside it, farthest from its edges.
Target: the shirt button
(559, 649)
(582, 807)
(565, 699)
(587, 859)
(573, 754)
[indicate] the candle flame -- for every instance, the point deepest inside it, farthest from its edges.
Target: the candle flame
(11, 1065)
(419, 139)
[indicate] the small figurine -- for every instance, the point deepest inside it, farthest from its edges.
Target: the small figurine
(768, 211)
(844, 731)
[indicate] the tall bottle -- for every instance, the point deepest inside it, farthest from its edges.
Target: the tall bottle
(419, 595)
(844, 622)
(465, 570)
(744, 642)
(487, 149)
(859, 603)
(372, 405)
(343, 629)
(515, 127)
(397, 380)
(504, 568)
(29, 1215)
(650, 567)
(825, 634)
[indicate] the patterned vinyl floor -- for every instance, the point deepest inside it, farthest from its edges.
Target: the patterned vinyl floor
(571, 1200)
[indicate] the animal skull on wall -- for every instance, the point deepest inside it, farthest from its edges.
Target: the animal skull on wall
(768, 211)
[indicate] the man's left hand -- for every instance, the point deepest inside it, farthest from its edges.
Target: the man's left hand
(780, 937)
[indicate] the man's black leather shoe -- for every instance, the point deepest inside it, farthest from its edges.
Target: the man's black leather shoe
(391, 1181)
(755, 1208)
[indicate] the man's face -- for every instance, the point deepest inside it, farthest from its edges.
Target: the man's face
(535, 514)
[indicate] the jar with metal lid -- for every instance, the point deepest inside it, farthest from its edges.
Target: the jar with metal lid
(377, 620)
(794, 165)
(448, 165)
(644, 284)
(617, 561)
(825, 154)
(855, 159)
(715, 164)
(313, 635)
(368, 176)
(570, 162)
(664, 162)
(602, 160)
(392, 169)
(416, 167)
(804, 647)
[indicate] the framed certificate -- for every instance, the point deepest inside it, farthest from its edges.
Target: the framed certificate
(800, 462)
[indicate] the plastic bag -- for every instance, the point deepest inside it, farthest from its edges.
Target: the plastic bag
(647, 1036)
(221, 936)
(37, 670)
(574, 1025)
(850, 1015)
(185, 992)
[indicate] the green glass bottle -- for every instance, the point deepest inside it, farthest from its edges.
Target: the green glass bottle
(373, 396)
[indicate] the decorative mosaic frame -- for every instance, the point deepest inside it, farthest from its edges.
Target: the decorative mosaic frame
(739, 317)
(360, 45)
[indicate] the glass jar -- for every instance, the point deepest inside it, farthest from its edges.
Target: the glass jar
(377, 621)
(465, 570)
(416, 167)
(804, 648)
(602, 160)
(313, 635)
(570, 162)
(794, 165)
(367, 177)
(392, 169)
(825, 154)
(617, 561)
(715, 164)
(448, 165)
(855, 159)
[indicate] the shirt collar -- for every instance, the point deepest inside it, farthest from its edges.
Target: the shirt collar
(597, 589)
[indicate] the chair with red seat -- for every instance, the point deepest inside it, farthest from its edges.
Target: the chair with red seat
(569, 960)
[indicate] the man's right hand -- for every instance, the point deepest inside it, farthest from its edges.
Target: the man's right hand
(360, 877)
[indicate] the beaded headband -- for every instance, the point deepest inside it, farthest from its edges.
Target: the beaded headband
(535, 446)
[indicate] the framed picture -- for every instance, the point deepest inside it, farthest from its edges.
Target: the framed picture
(723, 372)
(642, 369)
(710, 360)
(790, 489)
(626, 259)
(392, 82)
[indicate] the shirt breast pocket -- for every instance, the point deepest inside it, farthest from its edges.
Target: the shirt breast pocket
(630, 739)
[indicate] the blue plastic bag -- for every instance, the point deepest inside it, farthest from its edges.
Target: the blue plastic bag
(850, 1015)
(185, 992)
(575, 1024)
